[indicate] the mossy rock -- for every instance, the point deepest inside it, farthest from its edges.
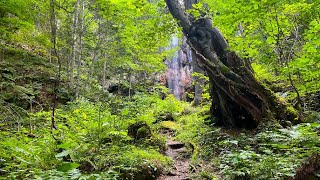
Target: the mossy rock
(139, 130)
(143, 132)
(284, 112)
(292, 113)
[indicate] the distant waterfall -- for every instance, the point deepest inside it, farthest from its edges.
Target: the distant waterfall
(178, 75)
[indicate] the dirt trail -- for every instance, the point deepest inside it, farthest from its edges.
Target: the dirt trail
(176, 150)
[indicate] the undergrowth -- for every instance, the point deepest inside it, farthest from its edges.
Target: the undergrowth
(269, 153)
(91, 141)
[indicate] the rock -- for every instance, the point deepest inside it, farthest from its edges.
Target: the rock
(139, 130)
(171, 173)
(175, 144)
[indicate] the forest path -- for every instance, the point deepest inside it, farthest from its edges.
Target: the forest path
(177, 151)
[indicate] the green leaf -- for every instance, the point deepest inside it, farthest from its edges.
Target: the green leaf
(62, 154)
(67, 167)
(64, 146)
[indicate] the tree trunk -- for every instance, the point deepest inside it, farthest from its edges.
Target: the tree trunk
(78, 85)
(73, 44)
(238, 99)
(104, 78)
(54, 54)
(96, 49)
(198, 81)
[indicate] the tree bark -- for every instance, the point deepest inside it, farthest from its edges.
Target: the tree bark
(238, 99)
(198, 81)
(79, 62)
(96, 49)
(54, 54)
(104, 78)
(73, 44)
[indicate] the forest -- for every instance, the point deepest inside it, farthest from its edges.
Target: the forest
(160, 89)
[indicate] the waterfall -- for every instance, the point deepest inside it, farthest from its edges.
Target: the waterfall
(178, 75)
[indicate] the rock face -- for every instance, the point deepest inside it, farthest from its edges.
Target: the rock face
(178, 75)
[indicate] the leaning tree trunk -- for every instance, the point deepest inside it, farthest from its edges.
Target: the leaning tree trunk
(238, 99)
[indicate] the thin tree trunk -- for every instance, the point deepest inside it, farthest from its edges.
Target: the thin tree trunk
(104, 78)
(74, 44)
(288, 59)
(198, 81)
(95, 52)
(54, 54)
(80, 50)
(130, 84)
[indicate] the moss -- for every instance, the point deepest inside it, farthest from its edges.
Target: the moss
(170, 125)
(158, 142)
(138, 163)
(208, 175)
(292, 111)
(284, 111)
(143, 132)
(224, 69)
(139, 130)
(278, 86)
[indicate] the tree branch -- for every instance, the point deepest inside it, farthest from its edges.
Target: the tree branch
(179, 14)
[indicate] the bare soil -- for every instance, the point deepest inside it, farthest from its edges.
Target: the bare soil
(176, 151)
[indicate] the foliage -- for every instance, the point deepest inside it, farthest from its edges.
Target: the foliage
(205, 86)
(89, 139)
(274, 153)
(24, 78)
(306, 67)
(142, 30)
(279, 36)
(120, 44)
(170, 125)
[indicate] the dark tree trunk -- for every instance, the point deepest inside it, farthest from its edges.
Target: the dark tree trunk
(238, 99)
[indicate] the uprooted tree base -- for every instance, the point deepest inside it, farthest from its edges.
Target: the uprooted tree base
(238, 99)
(244, 102)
